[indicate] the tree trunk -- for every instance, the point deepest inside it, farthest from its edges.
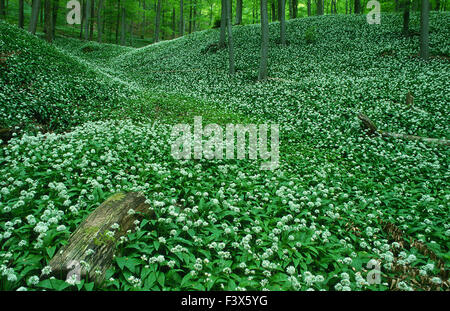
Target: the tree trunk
(190, 17)
(438, 5)
(122, 27)
(291, 13)
(319, 5)
(230, 37)
(21, 17)
(99, 21)
(424, 30)
(181, 18)
(282, 4)
(34, 16)
(157, 23)
(2, 9)
(238, 12)
(87, 19)
(357, 6)
(294, 8)
(54, 17)
(274, 13)
(264, 41)
(91, 21)
(194, 26)
(174, 23)
(48, 20)
(94, 240)
(223, 17)
(406, 17)
(118, 22)
(309, 7)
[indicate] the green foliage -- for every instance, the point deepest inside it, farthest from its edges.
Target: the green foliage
(225, 224)
(310, 35)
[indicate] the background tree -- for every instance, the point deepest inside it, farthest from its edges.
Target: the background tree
(228, 5)
(407, 4)
(21, 16)
(157, 22)
(36, 6)
(282, 23)
(424, 30)
(238, 12)
(357, 6)
(264, 41)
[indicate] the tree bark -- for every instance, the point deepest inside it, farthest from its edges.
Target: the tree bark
(87, 19)
(99, 21)
(54, 16)
(357, 6)
(424, 30)
(21, 17)
(91, 21)
(34, 16)
(2, 9)
(230, 38)
(48, 20)
(320, 8)
(238, 12)
(181, 18)
(122, 27)
(223, 17)
(406, 14)
(174, 23)
(308, 4)
(94, 241)
(264, 42)
(282, 23)
(157, 22)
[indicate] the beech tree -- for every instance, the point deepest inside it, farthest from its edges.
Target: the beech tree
(264, 41)
(36, 6)
(424, 30)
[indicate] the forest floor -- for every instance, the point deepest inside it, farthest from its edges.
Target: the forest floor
(94, 119)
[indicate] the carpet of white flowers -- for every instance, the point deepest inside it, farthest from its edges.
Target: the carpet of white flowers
(313, 224)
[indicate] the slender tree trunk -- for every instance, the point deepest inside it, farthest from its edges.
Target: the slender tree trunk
(210, 15)
(223, 17)
(230, 37)
(157, 23)
(438, 5)
(54, 16)
(190, 17)
(87, 19)
(424, 30)
(174, 23)
(406, 17)
(99, 20)
(264, 42)
(319, 7)
(2, 9)
(48, 20)
(21, 18)
(181, 18)
(279, 10)
(282, 4)
(308, 4)
(291, 9)
(238, 12)
(194, 26)
(34, 16)
(357, 6)
(118, 21)
(294, 8)
(91, 21)
(122, 27)
(274, 12)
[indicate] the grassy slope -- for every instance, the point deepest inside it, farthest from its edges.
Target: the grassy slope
(333, 182)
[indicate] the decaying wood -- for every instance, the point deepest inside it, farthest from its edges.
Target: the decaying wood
(367, 124)
(5, 135)
(90, 248)
(371, 128)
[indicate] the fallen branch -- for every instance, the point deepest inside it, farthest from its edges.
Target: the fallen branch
(371, 128)
(90, 249)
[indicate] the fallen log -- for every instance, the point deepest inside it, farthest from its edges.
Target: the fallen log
(90, 249)
(371, 128)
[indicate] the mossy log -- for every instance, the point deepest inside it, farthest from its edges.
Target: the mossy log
(90, 249)
(371, 128)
